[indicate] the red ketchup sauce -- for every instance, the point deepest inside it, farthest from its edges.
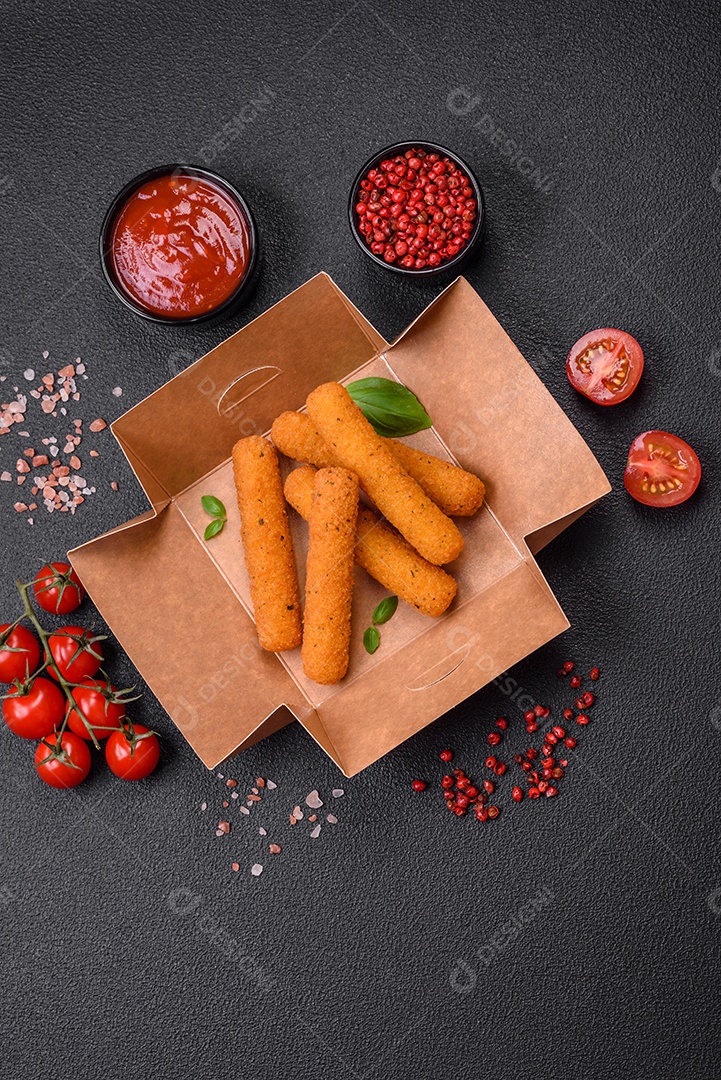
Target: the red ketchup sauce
(180, 246)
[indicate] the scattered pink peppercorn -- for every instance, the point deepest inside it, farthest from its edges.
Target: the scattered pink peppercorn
(446, 755)
(582, 719)
(490, 762)
(493, 738)
(516, 794)
(419, 785)
(594, 674)
(493, 811)
(502, 723)
(575, 682)
(570, 742)
(489, 786)
(588, 699)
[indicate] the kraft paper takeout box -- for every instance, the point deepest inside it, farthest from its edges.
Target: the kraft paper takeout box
(181, 607)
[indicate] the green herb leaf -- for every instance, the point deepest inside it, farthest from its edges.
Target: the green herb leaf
(213, 506)
(371, 639)
(389, 406)
(213, 528)
(385, 610)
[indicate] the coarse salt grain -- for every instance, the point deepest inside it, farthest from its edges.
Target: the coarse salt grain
(270, 785)
(274, 849)
(332, 819)
(338, 792)
(256, 869)
(315, 833)
(117, 391)
(313, 800)
(29, 375)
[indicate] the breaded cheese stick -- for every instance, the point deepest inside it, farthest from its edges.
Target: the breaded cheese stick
(384, 554)
(355, 444)
(329, 575)
(458, 493)
(267, 544)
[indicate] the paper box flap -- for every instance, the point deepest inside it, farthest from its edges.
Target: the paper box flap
(187, 427)
(495, 415)
(194, 643)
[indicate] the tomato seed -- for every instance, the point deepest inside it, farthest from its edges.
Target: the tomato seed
(419, 785)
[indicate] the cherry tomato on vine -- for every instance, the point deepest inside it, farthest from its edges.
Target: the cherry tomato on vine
(36, 711)
(57, 588)
(76, 652)
(132, 758)
(101, 706)
(662, 470)
(605, 366)
(71, 765)
(19, 653)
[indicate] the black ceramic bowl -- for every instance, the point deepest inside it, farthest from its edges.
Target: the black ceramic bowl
(450, 265)
(245, 285)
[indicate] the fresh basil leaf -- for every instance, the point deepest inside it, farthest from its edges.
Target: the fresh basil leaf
(213, 528)
(371, 639)
(213, 506)
(385, 610)
(389, 406)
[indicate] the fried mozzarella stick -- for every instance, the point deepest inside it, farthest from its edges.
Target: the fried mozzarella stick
(458, 493)
(384, 554)
(267, 544)
(355, 444)
(329, 575)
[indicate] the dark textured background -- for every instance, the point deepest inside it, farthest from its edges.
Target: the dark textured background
(344, 958)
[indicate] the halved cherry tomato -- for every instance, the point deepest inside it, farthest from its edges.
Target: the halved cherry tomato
(19, 653)
(130, 757)
(69, 767)
(76, 652)
(662, 470)
(101, 706)
(35, 712)
(605, 366)
(57, 588)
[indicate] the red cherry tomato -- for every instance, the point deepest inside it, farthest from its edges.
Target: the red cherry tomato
(605, 366)
(71, 765)
(131, 758)
(34, 713)
(57, 588)
(662, 470)
(100, 707)
(19, 653)
(76, 652)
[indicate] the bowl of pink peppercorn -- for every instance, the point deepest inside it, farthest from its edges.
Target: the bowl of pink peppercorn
(417, 209)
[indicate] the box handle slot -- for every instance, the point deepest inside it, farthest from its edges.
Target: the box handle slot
(247, 384)
(441, 670)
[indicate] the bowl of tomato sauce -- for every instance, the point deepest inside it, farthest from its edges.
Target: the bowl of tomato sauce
(179, 245)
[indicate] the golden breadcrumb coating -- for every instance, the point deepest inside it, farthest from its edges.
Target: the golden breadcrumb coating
(329, 575)
(458, 493)
(384, 554)
(353, 441)
(267, 544)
